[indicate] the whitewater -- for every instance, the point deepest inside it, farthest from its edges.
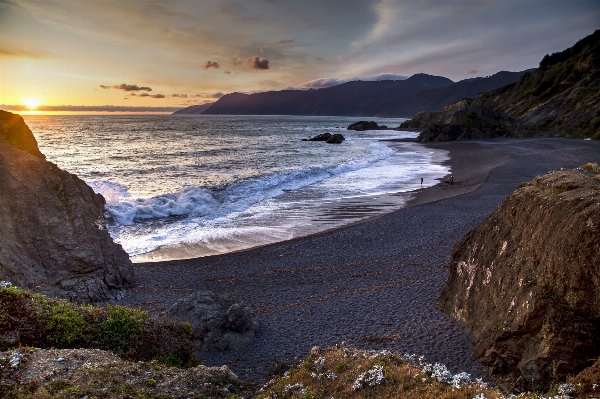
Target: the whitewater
(186, 186)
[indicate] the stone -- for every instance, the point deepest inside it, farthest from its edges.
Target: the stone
(525, 282)
(218, 322)
(320, 137)
(336, 139)
(364, 125)
(53, 238)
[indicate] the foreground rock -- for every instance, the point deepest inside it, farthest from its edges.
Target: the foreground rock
(41, 373)
(219, 323)
(53, 237)
(525, 281)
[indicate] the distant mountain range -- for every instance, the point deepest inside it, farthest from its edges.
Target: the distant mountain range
(389, 98)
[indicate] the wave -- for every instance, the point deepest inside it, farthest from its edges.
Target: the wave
(219, 201)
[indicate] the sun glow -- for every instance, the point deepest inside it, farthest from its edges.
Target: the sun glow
(32, 103)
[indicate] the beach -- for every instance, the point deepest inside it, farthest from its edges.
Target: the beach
(372, 284)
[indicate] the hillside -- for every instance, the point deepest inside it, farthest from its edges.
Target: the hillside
(560, 98)
(400, 98)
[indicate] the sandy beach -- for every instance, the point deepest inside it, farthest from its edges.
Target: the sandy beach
(372, 284)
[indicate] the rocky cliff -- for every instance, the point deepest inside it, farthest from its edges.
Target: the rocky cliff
(53, 237)
(525, 281)
(559, 98)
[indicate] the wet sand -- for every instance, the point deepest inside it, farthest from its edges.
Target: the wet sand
(372, 284)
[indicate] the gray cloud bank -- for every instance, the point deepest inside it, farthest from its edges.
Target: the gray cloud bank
(126, 87)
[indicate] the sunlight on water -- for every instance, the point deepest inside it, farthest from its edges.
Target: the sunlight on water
(181, 186)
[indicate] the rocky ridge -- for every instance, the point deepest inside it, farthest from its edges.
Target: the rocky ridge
(53, 238)
(559, 98)
(525, 281)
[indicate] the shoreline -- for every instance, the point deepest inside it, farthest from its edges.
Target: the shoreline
(373, 284)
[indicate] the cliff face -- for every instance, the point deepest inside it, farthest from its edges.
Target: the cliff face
(53, 237)
(525, 281)
(560, 98)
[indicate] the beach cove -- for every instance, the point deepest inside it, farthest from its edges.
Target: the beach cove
(372, 284)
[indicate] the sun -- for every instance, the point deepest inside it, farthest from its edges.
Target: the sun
(32, 103)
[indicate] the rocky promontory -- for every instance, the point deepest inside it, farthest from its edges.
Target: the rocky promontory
(559, 98)
(53, 237)
(525, 281)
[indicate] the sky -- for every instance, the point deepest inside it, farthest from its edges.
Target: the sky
(99, 55)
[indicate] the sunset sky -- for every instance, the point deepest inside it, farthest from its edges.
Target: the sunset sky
(178, 53)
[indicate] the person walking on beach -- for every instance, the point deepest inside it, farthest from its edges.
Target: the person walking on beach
(451, 180)
(421, 181)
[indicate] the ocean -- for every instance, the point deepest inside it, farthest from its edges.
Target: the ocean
(185, 186)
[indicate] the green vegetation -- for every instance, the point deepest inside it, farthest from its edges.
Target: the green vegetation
(29, 319)
(371, 374)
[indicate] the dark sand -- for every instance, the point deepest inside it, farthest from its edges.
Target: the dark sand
(372, 284)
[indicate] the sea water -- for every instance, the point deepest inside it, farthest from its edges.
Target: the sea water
(186, 186)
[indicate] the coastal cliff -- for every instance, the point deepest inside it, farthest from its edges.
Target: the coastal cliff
(53, 237)
(525, 281)
(559, 98)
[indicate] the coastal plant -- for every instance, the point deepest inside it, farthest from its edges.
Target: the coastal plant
(346, 372)
(29, 319)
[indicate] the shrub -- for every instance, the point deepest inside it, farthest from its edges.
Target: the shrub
(591, 167)
(29, 319)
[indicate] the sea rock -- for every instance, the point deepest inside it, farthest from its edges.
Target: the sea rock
(219, 323)
(364, 125)
(526, 282)
(320, 137)
(336, 139)
(464, 120)
(53, 237)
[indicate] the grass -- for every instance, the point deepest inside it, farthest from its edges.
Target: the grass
(28, 319)
(348, 373)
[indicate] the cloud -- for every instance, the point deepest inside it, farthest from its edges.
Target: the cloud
(257, 63)
(204, 95)
(321, 83)
(126, 87)
(386, 76)
(472, 71)
(211, 64)
(150, 95)
(179, 95)
(7, 50)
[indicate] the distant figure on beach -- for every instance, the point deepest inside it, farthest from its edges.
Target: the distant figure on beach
(421, 181)
(451, 179)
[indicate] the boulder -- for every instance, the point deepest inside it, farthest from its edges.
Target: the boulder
(363, 125)
(525, 282)
(219, 323)
(320, 137)
(53, 237)
(336, 139)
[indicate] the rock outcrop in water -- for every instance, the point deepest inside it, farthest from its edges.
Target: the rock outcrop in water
(53, 237)
(526, 281)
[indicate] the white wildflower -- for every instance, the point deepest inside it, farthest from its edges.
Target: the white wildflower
(5, 284)
(480, 395)
(460, 379)
(15, 360)
(565, 390)
(319, 363)
(295, 388)
(370, 378)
